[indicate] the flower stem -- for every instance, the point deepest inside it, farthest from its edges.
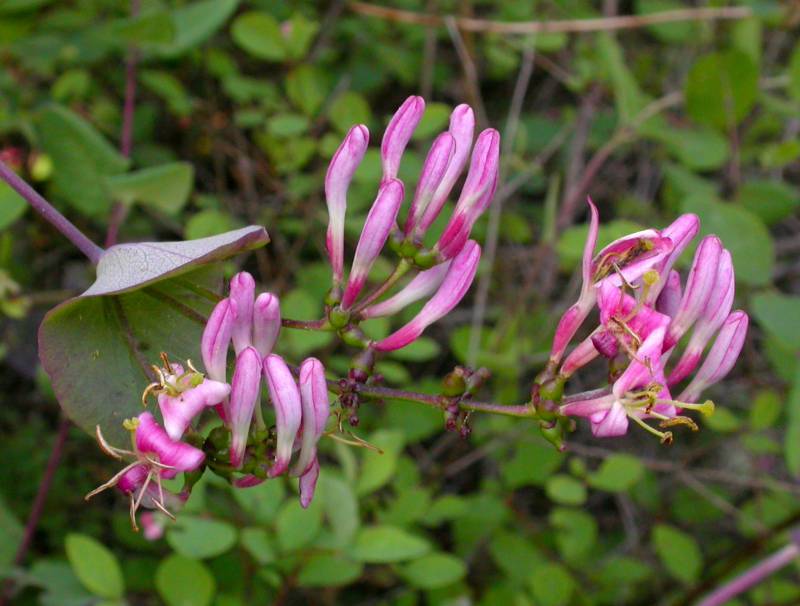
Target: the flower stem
(92, 251)
(753, 576)
(402, 267)
(306, 325)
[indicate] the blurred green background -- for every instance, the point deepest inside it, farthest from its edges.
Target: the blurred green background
(239, 106)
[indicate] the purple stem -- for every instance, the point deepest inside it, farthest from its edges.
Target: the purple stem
(755, 575)
(92, 251)
(120, 211)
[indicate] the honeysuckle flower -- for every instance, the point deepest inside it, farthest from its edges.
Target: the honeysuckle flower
(286, 399)
(187, 394)
(242, 292)
(379, 222)
(266, 322)
(476, 195)
(423, 285)
(337, 181)
(398, 133)
(154, 456)
(245, 396)
(669, 299)
(680, 232)
(316, 409)
(433, 173)
(216, 339)
(308, 483)
(456, 282)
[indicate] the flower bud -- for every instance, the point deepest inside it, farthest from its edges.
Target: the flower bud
(680, 232)
(245, 396)
(424, 284)
(669, 300)
(216, 339)
(308, 483)
(243, 289)
(379, 223)
(316, 408)
(433, 172)
(398, 133)
(337, 181)
(266, 322)
(288, 409)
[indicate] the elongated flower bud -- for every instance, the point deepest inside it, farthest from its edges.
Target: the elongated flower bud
(669, 301)
(288, 409)
(713, 315)
(433, 172)
(424, 284)
(398, 133)
(680, 232)
(455, 285)
(180, 410)
(243, 290)
(245, 396)
(476, 195)
(316, 408)
(379, 223)
(337, 181)
(308, 483)
(702, 277)
(462, 128)
(266, 322)
(721, 357)
(217, 338)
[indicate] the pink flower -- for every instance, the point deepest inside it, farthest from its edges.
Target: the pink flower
(288, 409)
(433, 173)
(245, 396)
(242, 292)
(187, 399)
(217, 338)
(266, 322)
(398, 133)
(316, 409)
(423, 285)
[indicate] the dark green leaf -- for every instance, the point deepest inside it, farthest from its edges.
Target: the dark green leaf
(772, 200)
(779, 315)
(196, 22)
(678, 552)
(259, 34)
(722, 89)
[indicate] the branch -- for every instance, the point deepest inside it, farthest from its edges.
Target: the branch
(470, 24)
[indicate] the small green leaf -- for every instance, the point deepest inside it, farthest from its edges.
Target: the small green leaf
(12, 205)
(259, 34)
(678, 552)
(11, 530)
(766, 409)
(794, 73)
(772, 200)
(166, 187)
(340, 505)
(259, 544)
(296, 527)
(792, 438)
(779, 315)
(576, 532)
(434, 570)
(306, 87)
(617, 473)
(208, 223)
(566, 490)
(349, 109)
(194, 23)
(424, 348)
(201, 538)
(184, 582)
(377, 468)
(628, 97)
(552, 585)
(328, 570)
(384, 544)
(723, 421)
(169, 88)
(95, 566)
(721, 89)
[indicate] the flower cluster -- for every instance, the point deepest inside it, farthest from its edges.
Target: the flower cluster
(446, 269)
(644, 315)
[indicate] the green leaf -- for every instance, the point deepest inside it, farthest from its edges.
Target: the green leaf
(434, 120)
(299, 34)
(628, 96)
(12, 205)
(97, 350)
(576, 532)
(377, 468)
(552, 585)
(420, 350)
(617, 473)
(385, 544)
(328, 570)
(698, 148)
(742, 232)
(259, 544)
(195, 23)
(677, 32)
(306, 87)
(723, 421)
(166, 187)
(169, 88)
(200, 538)
(95, 566)
(792, 438)
(517, 470)
(81, 159)
(261, 502)
(565, 490)
(11, 530)
(259, 34)
(678, 552)
(794, 73)
(296, 527)
(341, 507)
(721, 89)
(765, 410)
(152, 27)
(771, 200)
(184, 582)
(779, 315)
(349, 109)
(207, 223)
(433, 571)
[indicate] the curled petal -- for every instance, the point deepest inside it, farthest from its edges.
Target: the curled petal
(398, 133)
(681, 232)
(179, 411)
(424, 284)
(151, 438)
(628, 258)
(217, 338)
(316, 408)
(379, 223)
(455, 285)
(611, 423)
(337, 181)
(243, 289)
(266, 322)
(288, 409)
(132, 480)
(433, 172)
(308, 483)
(245, 395)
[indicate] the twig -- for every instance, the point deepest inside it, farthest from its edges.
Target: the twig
(92, 251)
(120, 211)
(470, 71)
(38, 502)
(471, 24)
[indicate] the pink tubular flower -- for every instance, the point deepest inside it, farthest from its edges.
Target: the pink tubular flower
(433, 173)
(245, 395)
(453, 288)
(680, 232)
(337, 181)
(308, 483)
(288, 409)
(187, 396)
(243, 288)
(316, 409)
(380, 220)
(423, 285)
(398, 133)
(669, 299)
(476, 195)
(266, 322)
(217, 338)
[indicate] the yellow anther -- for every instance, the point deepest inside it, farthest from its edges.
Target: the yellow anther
(131, 424)
(650, 277)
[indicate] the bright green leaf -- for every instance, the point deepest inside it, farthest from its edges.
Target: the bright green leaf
(565, 489)
(259, 34)
(779, 315)
(384, 544)
(679, 552)
(328, 570)
(184, 582)
(166, 187)
(200, 538)
(552, 585)
(721, 89)
(96, 567)
(617, 473)
(296, 527)
(12, 205)
(349, 109)
(433, 571)
(196, 22)
(377, 468)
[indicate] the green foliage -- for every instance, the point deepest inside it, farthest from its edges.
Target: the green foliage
(96, 567)
(182, 581)
(678, 551)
